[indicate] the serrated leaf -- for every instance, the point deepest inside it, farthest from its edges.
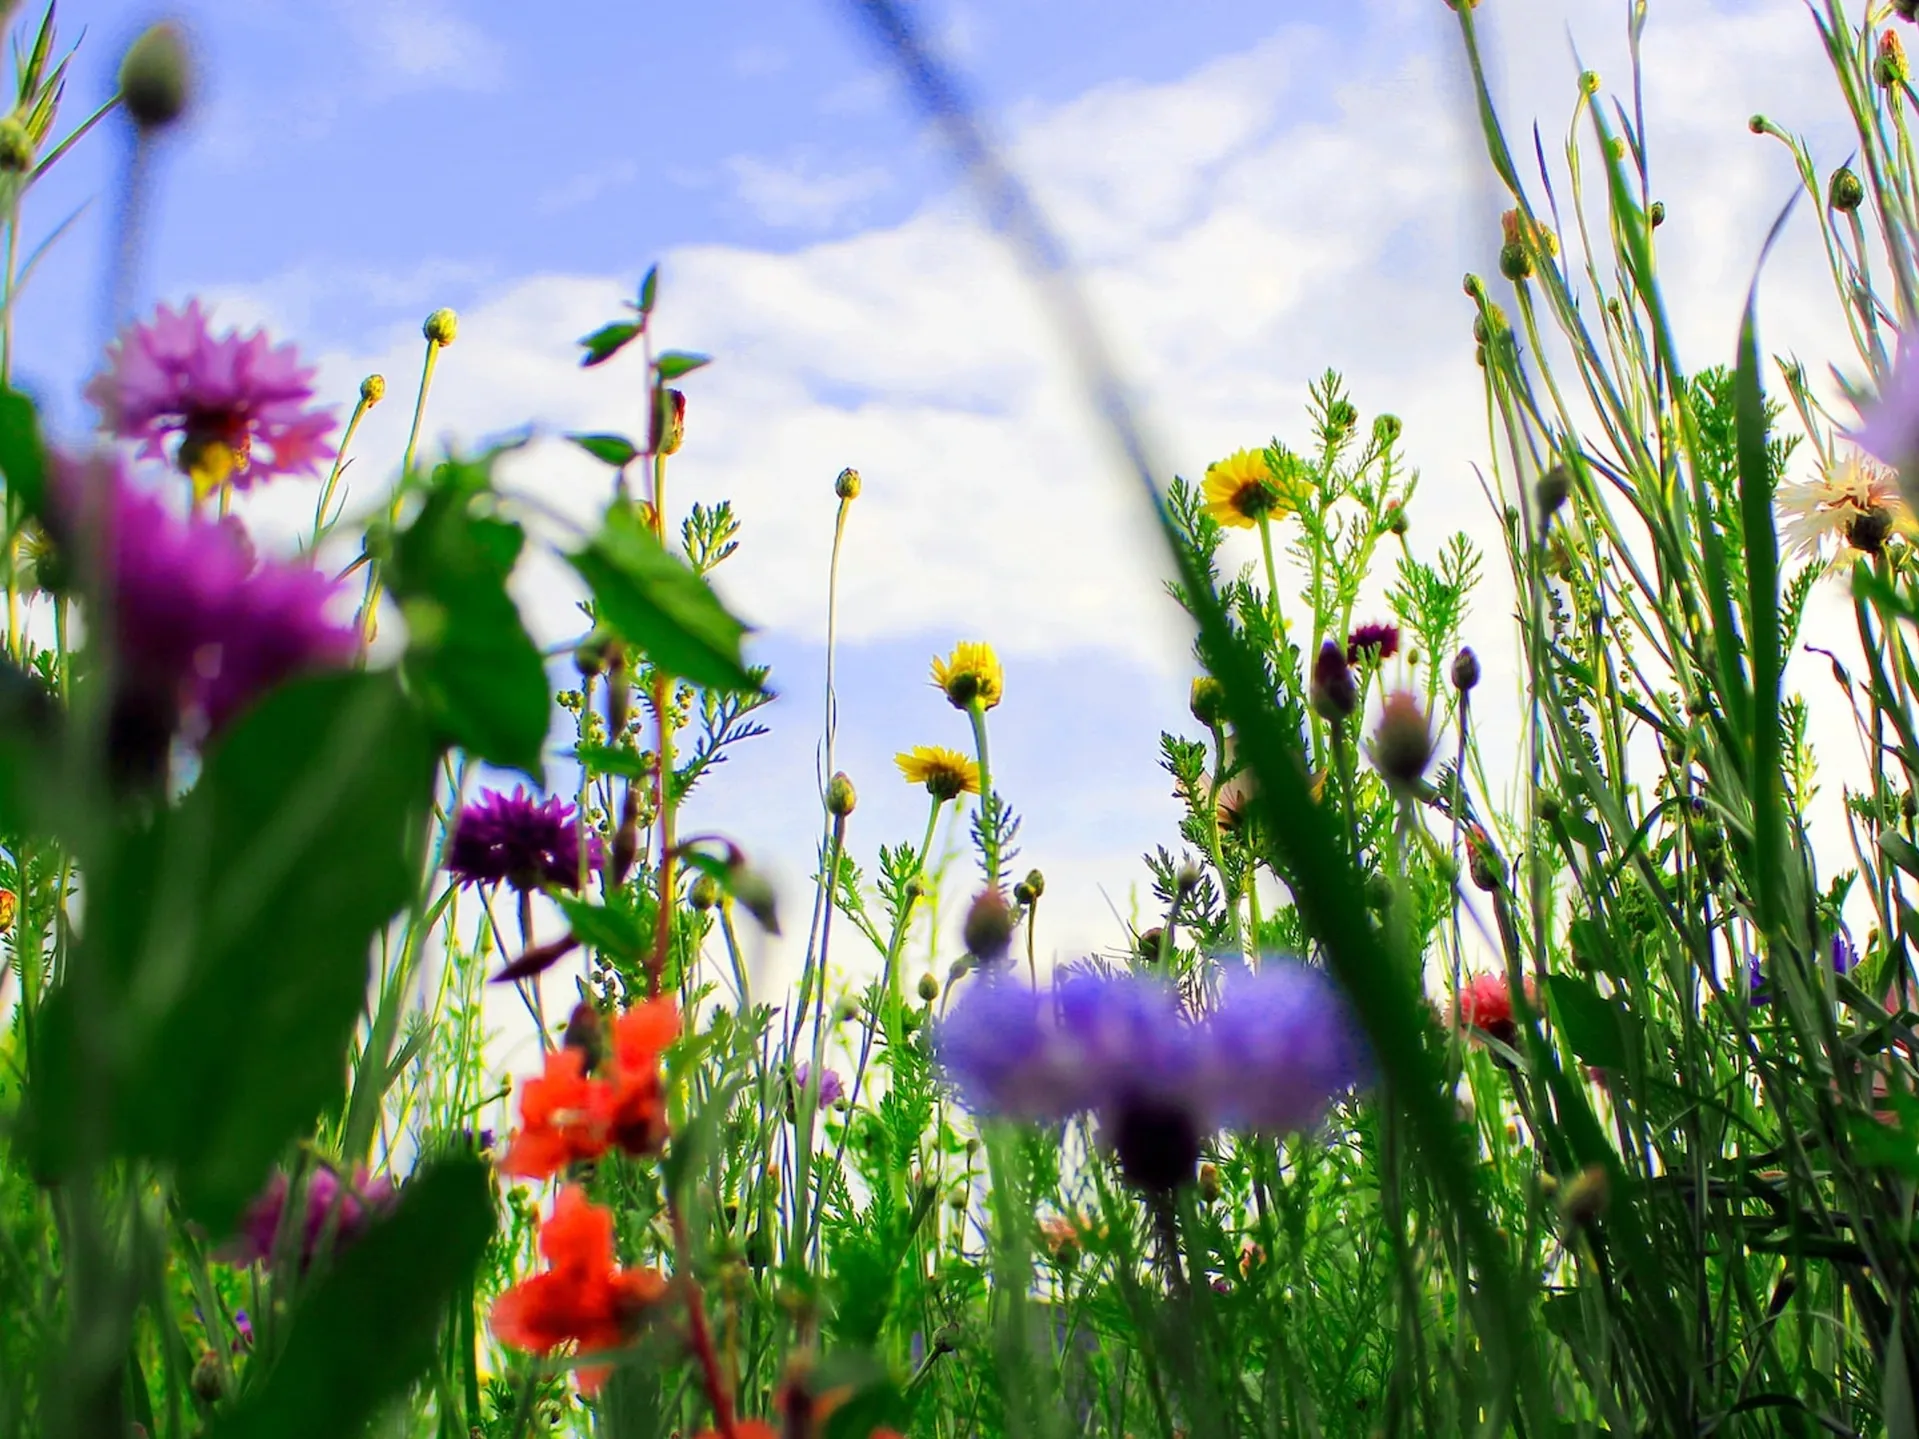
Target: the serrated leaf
(675, 363)
(369, 1328)
(658, 604)
(607, 341)
(1594, 1026)
(615, 450)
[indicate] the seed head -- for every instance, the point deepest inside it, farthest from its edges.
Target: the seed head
(442, 327)
(1846, 192)
(841, 797)
(156, 77)
(1403, 743)
(847, 486)
(1465, 669)
(372, 390)
(988, 930)
(1208, 701)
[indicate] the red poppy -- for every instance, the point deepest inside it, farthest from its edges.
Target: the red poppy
(583, 1297)
(564, 1116)
(640, 1037)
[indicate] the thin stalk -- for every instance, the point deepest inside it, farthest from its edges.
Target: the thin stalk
(370, 604)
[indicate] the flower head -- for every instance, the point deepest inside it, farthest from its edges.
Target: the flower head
(517, 840)
(201, 627)
(335, 1214)
(946, 773)
(1402, 745)
(582, 1297)
(1272, 1056)
(569, 1114)
(972, 672)
(1253, 485)
(640, 1037)
(1856, 504)
(1758, 992)
(238, 404)
(1376, 641)
(1485, 1003)
(832, 1088)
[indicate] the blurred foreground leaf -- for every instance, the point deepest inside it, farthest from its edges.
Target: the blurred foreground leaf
(367, 1330)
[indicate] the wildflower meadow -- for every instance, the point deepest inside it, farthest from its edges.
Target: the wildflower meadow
(1488, 1061)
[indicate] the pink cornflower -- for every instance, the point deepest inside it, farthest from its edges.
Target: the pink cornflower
(336, 1214)
(201, 626)
(238, 403)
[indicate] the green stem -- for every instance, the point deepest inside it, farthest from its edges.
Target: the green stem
(371, 603)
(988, 801)
(320, 522)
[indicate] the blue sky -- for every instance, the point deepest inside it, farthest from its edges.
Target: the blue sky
(1257, 193)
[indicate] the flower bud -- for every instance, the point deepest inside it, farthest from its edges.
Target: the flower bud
(16, 146)
(1465, 669)
(584, 1033)
(1589, 82)
(1403, 743)
(705, 894)
(9, 906)
(1208, 701)
(1395, 516)
(1147, 946)
(1550, 491)
(442, 327)
(1890, 69)
(847, 486)
(753, 892)
(1186, 878)
(1656, 213)
(372, 390)
(929, 987)
(209, 1381)
(1209, 1182)
(988, 930)
(1334, 692)
(1845, 192)
(156, 77)
(1483, 861)
(1036, 882)
(841, 797)
(668, 430)
(1515, 261)
(1758, 124)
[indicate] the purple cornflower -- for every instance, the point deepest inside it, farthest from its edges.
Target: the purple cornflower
(1379, 641)
(515, 839)
(1759, 992)
(238, 403)
(1272, 1056)
(1889, 426)
(832, 1089)
(336, 1215)
(201, 626)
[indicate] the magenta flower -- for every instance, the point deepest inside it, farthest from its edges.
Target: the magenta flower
(515, 839)
(1889, 425)
(335, 1215)
(201, 627)
(1379, 641)
(238, 403)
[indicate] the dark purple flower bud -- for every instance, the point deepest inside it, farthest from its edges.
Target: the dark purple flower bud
(1334, 693)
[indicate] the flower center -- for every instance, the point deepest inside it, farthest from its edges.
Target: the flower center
(1157, 1143)
(1255, 499)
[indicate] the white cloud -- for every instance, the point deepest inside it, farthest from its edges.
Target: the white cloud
(1310, 203)
(424, 44)
(797, 196)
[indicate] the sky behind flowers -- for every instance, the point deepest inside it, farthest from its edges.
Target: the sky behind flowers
(1256, 195)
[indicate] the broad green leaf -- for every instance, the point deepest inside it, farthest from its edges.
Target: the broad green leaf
(31, 729)
(616, 450)
(675, 363)
(227, 943)
(613, 932)
(470, 661)
(604, 759)
(607, 341)
(23, 454)
(1900, 850)
(1593, 1025)
(656, 602)
(369, 1328)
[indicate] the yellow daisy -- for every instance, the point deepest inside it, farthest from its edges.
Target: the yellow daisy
(1243, 488)
(971, 672)
(1857, 503)
(946, 773)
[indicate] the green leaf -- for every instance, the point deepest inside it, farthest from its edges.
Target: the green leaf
(616, 450)
(1593, 1025)
(614, 932)
(369, 1328)
(227, 943)
(606, 759)
(1900, 850)
(470, 661)
(607, 341)
(649, 290)
(23, 454)
(675, 363)
(656, 602)
(32, 727)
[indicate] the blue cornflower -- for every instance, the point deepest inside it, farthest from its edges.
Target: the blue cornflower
(1272, 1056)
(1758, 992)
